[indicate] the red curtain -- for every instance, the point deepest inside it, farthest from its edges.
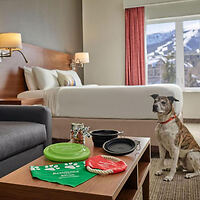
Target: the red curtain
(135, 56)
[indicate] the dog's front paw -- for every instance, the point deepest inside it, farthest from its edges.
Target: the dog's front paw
(159, 173)
(190, 175)
(168, 178)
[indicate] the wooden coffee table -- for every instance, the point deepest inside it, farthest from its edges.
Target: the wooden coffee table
(19, 185)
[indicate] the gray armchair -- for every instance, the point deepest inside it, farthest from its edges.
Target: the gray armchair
(24, 132)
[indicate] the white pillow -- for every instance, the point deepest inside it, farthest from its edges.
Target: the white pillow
(29, 78)
(45, 78)
(69, 73)
(66, 79)
(31, 94)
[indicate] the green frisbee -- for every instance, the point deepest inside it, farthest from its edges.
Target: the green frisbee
(66, 152)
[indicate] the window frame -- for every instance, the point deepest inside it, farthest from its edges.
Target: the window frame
(180, 75)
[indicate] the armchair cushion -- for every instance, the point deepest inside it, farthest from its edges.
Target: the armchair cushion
(37, 114)
(17, 137)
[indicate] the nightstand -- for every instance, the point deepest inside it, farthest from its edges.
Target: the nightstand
(16, 101)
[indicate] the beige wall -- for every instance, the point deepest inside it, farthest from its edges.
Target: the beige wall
(139, 3)
(173, 10)
(191, 105)
(53, 24)
(103, 38)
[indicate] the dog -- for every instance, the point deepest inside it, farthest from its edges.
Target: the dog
(175, 138)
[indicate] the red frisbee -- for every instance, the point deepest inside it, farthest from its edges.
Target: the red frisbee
(103, 164)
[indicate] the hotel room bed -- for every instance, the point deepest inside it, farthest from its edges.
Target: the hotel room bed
(115, 102)
(126, 108)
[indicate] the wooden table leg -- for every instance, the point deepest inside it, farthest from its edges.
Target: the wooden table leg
(145, 188)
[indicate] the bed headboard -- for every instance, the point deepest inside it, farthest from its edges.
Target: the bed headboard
(11, 73)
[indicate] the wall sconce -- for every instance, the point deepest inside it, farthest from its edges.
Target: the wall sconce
(10, 42)
(80, 59)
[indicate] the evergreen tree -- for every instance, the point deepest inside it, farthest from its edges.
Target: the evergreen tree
(169, 69)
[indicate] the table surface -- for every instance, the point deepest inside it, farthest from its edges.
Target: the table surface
(107, 187)
(17, 101)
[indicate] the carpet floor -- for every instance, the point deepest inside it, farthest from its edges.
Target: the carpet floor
(179, 189)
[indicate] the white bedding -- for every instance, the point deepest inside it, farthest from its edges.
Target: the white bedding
(120, 102)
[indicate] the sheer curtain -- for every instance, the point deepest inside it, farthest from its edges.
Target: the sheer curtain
(135, 53)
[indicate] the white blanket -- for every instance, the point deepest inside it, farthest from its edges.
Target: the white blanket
(120, 102)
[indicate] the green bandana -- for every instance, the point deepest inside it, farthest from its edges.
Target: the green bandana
(72, 174)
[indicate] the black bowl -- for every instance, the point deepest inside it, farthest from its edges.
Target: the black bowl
(101, 136)
(120, 146)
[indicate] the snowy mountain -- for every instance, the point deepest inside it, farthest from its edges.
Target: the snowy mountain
(156, 40)
(191, 40)
(161, 56)
(163, 43)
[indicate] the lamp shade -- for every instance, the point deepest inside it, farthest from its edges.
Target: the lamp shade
(10, 40)
(82, 57)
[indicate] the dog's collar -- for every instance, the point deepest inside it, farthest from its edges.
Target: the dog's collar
(170, 119)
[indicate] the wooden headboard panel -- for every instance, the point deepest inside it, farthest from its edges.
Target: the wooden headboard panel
(11, 73)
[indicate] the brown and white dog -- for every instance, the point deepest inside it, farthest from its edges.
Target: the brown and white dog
(175, 138)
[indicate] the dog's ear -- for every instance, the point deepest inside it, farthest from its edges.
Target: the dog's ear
(154, 96)
(172, 99)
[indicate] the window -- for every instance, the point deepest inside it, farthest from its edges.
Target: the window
(161, 52)
(191, 41)
(173, 53)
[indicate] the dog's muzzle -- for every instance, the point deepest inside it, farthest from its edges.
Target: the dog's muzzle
(155, 108)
